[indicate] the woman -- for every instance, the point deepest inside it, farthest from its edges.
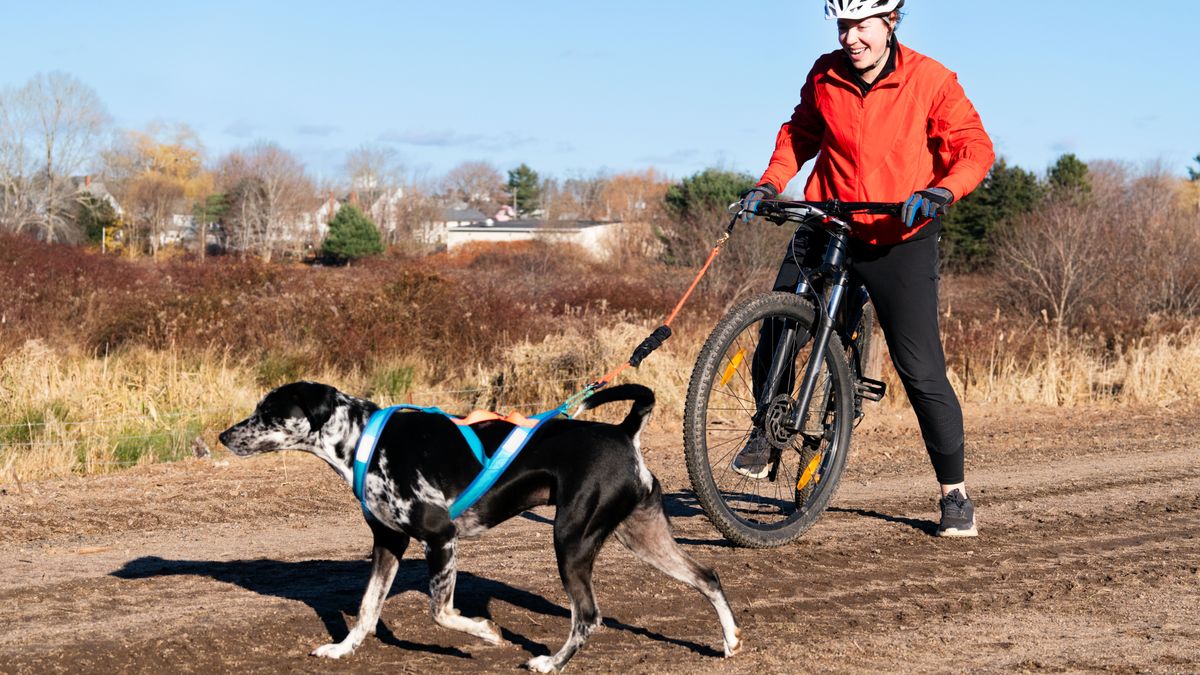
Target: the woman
(887, 124)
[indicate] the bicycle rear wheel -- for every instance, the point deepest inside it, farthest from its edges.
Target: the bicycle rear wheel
(722, 412)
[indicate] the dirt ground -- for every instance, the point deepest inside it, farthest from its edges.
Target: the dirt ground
(1088, 559)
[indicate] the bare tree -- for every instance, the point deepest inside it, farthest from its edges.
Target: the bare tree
(1057, 257)
(586, 193)
(48, 131)
(377, 184)
(634, 196)
(269, 195)
(478, 185)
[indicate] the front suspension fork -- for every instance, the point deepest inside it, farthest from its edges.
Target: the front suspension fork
(816, 361)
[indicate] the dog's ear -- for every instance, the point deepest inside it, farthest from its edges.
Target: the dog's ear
(317, 401)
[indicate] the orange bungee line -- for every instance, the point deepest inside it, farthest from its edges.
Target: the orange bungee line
(615, 372)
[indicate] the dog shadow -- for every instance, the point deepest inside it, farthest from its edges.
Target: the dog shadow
(334, 588)
(682, 504)
(927, 526)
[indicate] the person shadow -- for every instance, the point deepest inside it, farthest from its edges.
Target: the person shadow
(334, 588)
(927, 526)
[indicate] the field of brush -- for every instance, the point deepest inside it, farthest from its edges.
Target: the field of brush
(108, 362)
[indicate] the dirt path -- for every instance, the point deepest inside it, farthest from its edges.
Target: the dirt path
(1088, 559)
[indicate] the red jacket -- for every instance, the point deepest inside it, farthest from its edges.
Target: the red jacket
(914, 129)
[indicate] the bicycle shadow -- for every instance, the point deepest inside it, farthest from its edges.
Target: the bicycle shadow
(927, 526)
(685, 504)
(341, 587)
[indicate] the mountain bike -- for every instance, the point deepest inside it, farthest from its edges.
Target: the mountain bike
(744, 388)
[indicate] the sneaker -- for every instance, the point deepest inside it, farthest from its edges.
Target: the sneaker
(958, 516)
(754, 460)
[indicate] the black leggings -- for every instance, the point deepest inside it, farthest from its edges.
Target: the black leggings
(902, 280)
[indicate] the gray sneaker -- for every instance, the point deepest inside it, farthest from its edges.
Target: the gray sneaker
(754, 459)
(958, 516)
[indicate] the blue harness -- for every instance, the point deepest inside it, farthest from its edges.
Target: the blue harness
(493, 467)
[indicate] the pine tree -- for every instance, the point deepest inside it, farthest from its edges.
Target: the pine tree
(351, 235)
(1004, 194)
(526, 190)
(1069, 175)
(94, 215)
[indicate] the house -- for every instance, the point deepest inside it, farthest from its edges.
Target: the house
(593, 236)
(437, 231)
(87, 185)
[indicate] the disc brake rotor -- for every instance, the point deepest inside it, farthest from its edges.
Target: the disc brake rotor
(775, 422)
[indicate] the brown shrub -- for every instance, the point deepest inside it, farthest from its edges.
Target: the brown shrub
(1105, 261)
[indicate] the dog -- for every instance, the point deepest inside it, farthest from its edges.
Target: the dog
(592, 472)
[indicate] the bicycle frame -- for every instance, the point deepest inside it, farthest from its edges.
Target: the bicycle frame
(836, 272)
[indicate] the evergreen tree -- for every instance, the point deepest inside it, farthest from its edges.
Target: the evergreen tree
(1004, 194)
(1069, 175)
(351, 235)
(1194, 175)
(702, 193)
(526, 190)
(94, 215)
(208, 214)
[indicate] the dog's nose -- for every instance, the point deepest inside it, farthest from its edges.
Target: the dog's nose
(224, 438)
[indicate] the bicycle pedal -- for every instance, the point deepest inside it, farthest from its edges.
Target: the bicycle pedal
(872, 390)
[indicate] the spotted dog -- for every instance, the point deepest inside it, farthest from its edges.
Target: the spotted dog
(592, 472)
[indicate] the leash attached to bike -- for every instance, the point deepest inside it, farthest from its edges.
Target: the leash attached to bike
(523, 427)
(663, 332)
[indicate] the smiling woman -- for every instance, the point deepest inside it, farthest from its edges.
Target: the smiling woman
(867, 41)
(885, 124)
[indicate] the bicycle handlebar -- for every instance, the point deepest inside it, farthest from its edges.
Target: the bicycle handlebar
(780, 211)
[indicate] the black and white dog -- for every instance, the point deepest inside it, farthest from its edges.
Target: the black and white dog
(592, 472)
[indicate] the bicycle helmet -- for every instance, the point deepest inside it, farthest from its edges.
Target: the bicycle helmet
(860, 9)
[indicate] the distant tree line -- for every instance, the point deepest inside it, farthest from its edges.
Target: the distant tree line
(67, 176)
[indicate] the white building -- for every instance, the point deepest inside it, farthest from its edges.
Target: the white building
(593, 237)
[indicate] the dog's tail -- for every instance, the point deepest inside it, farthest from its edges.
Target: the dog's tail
(643, 404)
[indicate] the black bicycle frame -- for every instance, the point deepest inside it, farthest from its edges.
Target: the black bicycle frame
(836, 274)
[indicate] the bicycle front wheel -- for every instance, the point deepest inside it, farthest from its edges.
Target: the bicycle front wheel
(723, 412)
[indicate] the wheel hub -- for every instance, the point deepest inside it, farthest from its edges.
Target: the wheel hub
(778, 413)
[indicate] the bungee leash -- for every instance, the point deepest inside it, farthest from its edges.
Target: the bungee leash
(663, 332)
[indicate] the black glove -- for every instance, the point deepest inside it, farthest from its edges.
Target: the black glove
(925, 204)
(751, 198)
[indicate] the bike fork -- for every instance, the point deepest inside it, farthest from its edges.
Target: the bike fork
(816, 361)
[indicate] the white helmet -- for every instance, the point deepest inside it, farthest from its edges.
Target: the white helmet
(859, 9)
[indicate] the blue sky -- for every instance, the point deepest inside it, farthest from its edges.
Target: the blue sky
(573, 88)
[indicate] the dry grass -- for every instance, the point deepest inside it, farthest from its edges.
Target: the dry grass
(1160, 370)
(67, 412)
(64, 411)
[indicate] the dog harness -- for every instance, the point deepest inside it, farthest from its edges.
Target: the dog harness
(493, 467)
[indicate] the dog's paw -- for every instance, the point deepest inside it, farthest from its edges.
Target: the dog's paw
(333, 650)
(490, 632)
(732, 647)
(541, 664)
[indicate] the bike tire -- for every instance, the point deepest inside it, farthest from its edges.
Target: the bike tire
(739, 517)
